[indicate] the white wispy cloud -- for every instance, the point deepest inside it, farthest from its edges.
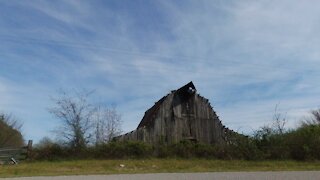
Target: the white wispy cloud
(244, 56)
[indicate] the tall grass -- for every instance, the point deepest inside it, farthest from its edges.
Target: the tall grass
(86, 167)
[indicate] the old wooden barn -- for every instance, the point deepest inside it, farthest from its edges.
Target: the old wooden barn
(181, 115)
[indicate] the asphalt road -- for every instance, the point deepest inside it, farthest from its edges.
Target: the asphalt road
(304, 175)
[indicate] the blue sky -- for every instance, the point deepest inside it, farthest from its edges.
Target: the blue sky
(244, 56)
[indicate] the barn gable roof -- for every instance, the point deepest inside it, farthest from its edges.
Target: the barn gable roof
(150, 114)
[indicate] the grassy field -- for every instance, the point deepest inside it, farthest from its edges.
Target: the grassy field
(85, 167)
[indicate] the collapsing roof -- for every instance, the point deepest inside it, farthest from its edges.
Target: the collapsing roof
(180, 115)
(184, 92)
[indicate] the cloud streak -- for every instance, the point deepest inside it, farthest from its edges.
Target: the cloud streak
(244, 56)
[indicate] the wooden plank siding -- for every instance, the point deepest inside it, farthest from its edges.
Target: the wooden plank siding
(13, 154)
(181, 115)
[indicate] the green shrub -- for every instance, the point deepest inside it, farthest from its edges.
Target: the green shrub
(241, 147)
(126, 149)
(138, 149)
(162, 151)
(205, 151)
(50, 152)
(300, 144)
(184, 149)
(304, 143)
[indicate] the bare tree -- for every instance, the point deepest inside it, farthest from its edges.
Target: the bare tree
(11, 121)
(75, 113)
(279, 121)
(314, 118)
(263, 133)
(10, 131)
(108, 124)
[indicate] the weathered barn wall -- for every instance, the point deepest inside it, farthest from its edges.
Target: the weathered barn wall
(182, 114)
